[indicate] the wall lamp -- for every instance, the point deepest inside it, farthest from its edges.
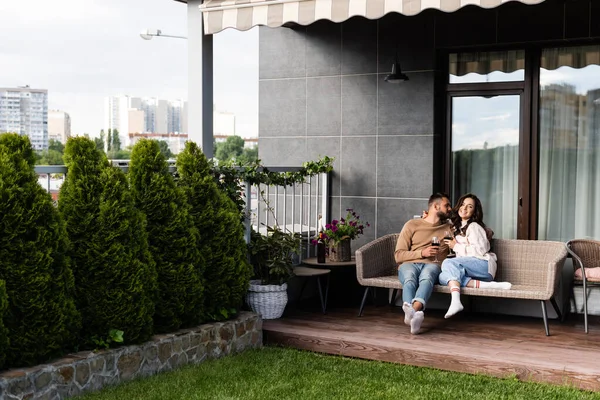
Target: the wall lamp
(396, 76)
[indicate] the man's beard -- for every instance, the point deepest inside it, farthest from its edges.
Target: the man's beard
(443, 216)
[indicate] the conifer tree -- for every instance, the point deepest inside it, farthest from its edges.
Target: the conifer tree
(227, 271)
(41, 317)
(172, 238)
(3, 331)
(113, 270)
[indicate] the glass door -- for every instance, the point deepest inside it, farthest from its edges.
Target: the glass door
(484, 143)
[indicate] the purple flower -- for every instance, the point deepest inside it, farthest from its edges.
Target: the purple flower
(328, 226)
(334, 222)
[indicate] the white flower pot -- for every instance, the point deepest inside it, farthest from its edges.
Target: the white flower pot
(267, 300)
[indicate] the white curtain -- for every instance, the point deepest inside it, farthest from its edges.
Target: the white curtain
(569, 169)
(490, 174)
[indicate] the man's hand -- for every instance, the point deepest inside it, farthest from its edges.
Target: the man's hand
(429, 251)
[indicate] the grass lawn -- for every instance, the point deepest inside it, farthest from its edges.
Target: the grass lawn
(277, 373)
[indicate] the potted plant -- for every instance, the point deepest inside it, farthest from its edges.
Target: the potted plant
(271, 256)
(338, 235)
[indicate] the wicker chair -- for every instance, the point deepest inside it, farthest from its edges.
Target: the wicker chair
(586, 254)
(532, 266)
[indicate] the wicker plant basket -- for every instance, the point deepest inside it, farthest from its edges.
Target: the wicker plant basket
(267, 300)
(340, 251)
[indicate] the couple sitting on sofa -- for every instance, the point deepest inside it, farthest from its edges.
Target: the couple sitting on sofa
(419, 257)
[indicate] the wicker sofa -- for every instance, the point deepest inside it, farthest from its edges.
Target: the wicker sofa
(532, 266)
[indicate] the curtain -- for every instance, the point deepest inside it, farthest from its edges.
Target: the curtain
(484, 63)
(569, 168)
(490, 174)
(574, 57)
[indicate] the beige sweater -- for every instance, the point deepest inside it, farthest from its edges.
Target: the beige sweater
(416, 236)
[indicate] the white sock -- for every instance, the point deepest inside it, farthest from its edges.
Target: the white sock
(455, 305)
(493, 285)
(415, 323)
(409, 313)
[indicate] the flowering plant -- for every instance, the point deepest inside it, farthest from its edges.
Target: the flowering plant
(350, 227)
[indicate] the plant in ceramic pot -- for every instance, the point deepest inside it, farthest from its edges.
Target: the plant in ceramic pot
(271, 256)
(339, 233)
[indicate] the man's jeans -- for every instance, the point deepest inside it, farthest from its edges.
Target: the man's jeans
(417, 281)
(463, 269)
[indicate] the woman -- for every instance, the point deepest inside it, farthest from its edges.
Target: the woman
(474, 265)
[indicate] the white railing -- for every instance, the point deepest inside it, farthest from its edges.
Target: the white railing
(299, 208)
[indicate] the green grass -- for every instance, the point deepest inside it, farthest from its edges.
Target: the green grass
(276, 373)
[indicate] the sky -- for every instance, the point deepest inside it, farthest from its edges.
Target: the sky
(84, 50)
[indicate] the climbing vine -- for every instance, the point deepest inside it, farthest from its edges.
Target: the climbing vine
(231, 177)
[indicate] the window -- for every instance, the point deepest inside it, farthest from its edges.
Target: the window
(569, 150)
(484, 137)
(544, 182)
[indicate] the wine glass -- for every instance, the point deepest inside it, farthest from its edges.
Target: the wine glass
(435, 242)
(448, 236)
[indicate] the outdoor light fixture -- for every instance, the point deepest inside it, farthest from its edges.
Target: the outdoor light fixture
(150, 33)
(396, 76)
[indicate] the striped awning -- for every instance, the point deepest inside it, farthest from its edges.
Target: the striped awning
(245, 14)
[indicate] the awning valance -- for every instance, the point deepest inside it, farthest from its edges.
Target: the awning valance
(245, 14)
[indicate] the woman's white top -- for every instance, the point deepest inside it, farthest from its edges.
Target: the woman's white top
(475, 244)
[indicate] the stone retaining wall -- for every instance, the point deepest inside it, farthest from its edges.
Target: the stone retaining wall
(91, 371)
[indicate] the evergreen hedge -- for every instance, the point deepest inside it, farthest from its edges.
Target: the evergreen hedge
(172, 238)
(3, 331)
(41, 318)
(113, 269)
(227, 271)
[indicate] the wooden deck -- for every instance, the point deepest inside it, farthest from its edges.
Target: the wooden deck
(496, 345)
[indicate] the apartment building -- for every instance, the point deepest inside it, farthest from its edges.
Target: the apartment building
(24, 110)
(59, 125)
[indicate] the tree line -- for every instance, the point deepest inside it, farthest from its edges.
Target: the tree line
(109, 142)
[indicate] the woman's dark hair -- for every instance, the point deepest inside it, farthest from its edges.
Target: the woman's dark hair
(476, 217)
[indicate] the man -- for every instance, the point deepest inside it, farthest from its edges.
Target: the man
(419, 260)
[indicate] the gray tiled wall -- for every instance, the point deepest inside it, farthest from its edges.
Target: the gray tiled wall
(322, 92)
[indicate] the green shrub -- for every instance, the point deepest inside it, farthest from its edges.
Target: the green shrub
(115, 277)
(3, 331)
(172, 238)
(216, 216)
(272, 255)
(41, 318)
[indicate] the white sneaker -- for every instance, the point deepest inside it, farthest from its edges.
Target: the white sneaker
(409, 313)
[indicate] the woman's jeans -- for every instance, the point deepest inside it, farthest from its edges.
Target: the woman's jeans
(417, 281)
(463, 269)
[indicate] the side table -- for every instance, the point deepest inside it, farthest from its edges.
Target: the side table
(307, 272)
(329, 264)
(345, 290)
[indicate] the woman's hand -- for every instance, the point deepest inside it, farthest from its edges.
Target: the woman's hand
(450, 243)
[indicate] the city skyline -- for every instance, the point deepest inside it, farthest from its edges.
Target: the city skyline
(83, 53)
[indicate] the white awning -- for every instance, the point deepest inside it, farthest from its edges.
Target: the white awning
(245, 14)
